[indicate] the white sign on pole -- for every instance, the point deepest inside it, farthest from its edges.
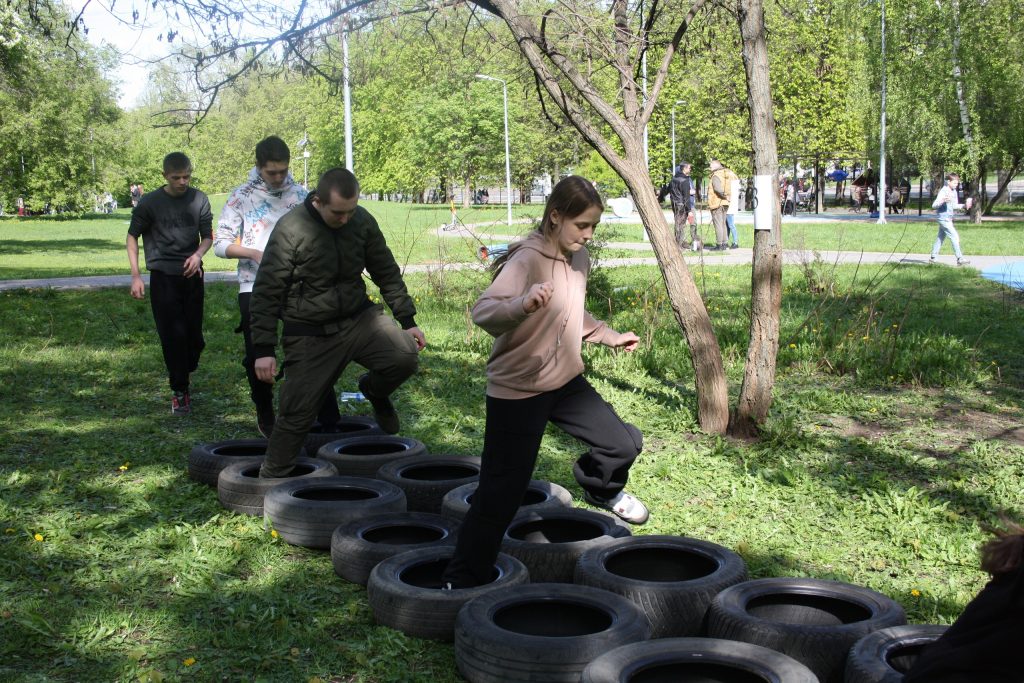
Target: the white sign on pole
(764, 198)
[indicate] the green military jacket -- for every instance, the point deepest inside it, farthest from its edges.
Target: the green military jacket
(312, 275)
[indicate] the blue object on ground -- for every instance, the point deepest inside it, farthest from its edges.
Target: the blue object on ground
(492, 251)
(1009, 274)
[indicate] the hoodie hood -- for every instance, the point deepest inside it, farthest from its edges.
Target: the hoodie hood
(539, 243)
(259, 186)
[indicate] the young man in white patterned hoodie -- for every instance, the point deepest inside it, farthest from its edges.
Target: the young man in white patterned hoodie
(243, 229)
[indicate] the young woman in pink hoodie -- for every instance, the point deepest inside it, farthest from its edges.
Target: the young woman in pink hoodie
(535, 310)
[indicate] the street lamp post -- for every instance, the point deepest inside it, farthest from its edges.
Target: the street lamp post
(881, 137)
(677, 102)
(508, 165)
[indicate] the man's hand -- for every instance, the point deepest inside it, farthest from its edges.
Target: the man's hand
(193, 265)
(627, 341)
(537, 297)
(266, 369)
(138, 289)
(417, 335)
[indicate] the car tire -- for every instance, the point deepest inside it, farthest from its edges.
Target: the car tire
(540, 495)
(240, 488)
(672, 579)
(696, 659)
(360, 545)
(306, 511)
(346, 427)
(426, 480)
(885, 655)
(542, 632)
(812, 620)
(405, 592)
(363, 456)
(549, 542)
(206, 460)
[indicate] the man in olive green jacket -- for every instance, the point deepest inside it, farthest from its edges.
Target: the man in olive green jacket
(311, 279)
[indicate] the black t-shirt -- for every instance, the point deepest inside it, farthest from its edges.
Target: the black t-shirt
(985, 645)
(171, 227)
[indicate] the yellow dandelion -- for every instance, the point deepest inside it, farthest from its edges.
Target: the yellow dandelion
(189, 661)
(792, 346)
(865, 338)
(38, 537)
(916, 593)
(895, 326)
(124, 467)
(273, 533)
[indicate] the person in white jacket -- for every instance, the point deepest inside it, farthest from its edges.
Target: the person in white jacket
(243, 229)
(946, 202)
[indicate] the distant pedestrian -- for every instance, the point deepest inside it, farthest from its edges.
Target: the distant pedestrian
(718, 201)
(682, 207)
(175, 223)
(136, 194)
(734, 206)
(946, 202)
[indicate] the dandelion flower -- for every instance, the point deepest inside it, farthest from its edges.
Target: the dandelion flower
(916, 593)
(273, 533)
(38, 537)
(865, 338)
(792, 346)
(124, 467)
(189, 661)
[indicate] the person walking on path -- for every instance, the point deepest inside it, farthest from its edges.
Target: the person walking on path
(175, 223)
(682, 207)
(734, 206)
(718, 201)
(946, 202)
(534, 308)
(243, 229)
(311, 279)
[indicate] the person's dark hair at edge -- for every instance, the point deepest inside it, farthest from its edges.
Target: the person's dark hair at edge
(337, 180)
(1004, 553)
(270, 149)
(571, 196)
(176, 161)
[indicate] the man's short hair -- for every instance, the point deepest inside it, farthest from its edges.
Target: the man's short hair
(176, 161)
(270, 149)
(952, 176)
(337, 180)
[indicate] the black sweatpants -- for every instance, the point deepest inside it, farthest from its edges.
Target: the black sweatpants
(511, 442)
(262, 393)
(177, 303)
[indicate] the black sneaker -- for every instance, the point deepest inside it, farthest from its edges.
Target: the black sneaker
(181, 403)
(265, 421)
(383, 410)
(734, 246)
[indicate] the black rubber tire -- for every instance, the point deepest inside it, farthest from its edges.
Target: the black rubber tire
(404, 591)
(240, 488)
(672, 579)
(542, 632)
(347, 427)
(812, 620)
(206, 460)
(708, 660)
(540, 495)
(549, 542)
(307, 511)
(885, 655)
(362, 456)
(360, 545)
(426, 480)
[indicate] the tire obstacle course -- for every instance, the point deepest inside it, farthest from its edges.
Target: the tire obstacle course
(575, 596)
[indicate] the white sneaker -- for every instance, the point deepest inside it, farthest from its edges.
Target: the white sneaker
(624, 505)
(962, 262)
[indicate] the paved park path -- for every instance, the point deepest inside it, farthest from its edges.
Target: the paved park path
(709, 258)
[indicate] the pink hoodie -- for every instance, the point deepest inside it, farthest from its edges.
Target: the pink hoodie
(541, 351)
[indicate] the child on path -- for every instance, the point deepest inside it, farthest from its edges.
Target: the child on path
(946, 202)
(535, 310)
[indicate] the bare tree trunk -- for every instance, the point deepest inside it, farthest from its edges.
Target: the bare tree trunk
(1005, 177)
(965, 119)
(466, 192)
(766, 279)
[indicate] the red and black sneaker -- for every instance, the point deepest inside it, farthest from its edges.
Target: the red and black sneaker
(181, 404)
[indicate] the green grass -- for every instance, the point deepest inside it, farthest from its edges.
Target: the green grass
(879, 462)
(43, 247)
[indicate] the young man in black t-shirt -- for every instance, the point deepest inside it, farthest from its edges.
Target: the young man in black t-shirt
(175, 223)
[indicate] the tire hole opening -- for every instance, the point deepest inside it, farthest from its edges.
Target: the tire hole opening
(428, 574)
(404, 534)
(685, 672)
(555, 531)
(340, 494)
(660, 564)
(807, 610)
(439, 472)
(553, 618)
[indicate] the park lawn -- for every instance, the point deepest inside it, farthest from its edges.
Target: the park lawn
(44, 247)
(895, 434)
(899, 236)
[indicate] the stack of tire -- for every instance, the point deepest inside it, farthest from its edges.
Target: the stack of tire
(574, 595)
